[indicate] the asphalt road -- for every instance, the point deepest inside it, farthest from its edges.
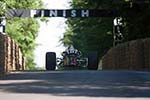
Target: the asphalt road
(75, 85)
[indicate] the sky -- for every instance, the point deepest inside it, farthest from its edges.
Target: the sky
(50, 33)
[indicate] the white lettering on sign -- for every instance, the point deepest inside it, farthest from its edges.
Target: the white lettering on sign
(32, 13)
(53, 13)
(64, 13)
(61, 13)
(73, 13)
(42, 13)
(84, 13)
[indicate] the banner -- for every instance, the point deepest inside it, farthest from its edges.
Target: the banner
(61, 13)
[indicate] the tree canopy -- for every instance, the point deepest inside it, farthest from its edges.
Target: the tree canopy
(96, 34)
(23, 30)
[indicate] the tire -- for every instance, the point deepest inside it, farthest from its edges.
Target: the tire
(92, 61)
(50, 61)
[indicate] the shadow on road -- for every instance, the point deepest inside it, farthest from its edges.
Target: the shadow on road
(79, 83)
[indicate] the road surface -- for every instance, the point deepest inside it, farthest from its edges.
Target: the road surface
(75, 85)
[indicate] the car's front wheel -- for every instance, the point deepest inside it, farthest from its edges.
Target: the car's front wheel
(50, 61)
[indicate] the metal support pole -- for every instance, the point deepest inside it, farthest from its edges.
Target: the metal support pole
(2, 25)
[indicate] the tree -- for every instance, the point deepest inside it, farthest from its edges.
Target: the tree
(23, 30)
(2, 7)
(96, 33)
(136, 18)
(89, 34)
(136, 15)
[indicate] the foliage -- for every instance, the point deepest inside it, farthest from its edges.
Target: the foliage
(96, 34)
(24, 4)
(23, 30)
(89, 34)
(137, 17)
(2, 7)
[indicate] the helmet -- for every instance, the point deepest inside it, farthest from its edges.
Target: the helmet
(71, 49)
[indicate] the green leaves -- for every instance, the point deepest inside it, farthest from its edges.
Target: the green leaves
(2, 8)
(23, 30)
(24, 4)
(89, 34)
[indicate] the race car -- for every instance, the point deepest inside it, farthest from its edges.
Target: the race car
(71, 57)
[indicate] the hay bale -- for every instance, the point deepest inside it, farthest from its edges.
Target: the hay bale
(136, 55)
(23, 63)
(146, 54)
(17, 56)
(10, 55)
(13, 54)
(108, 60)
(9, 67)
(116, 58)
(123, 58)
(20, 59)
(2, 54)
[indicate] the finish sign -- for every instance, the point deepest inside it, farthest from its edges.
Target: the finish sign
(60, 13)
